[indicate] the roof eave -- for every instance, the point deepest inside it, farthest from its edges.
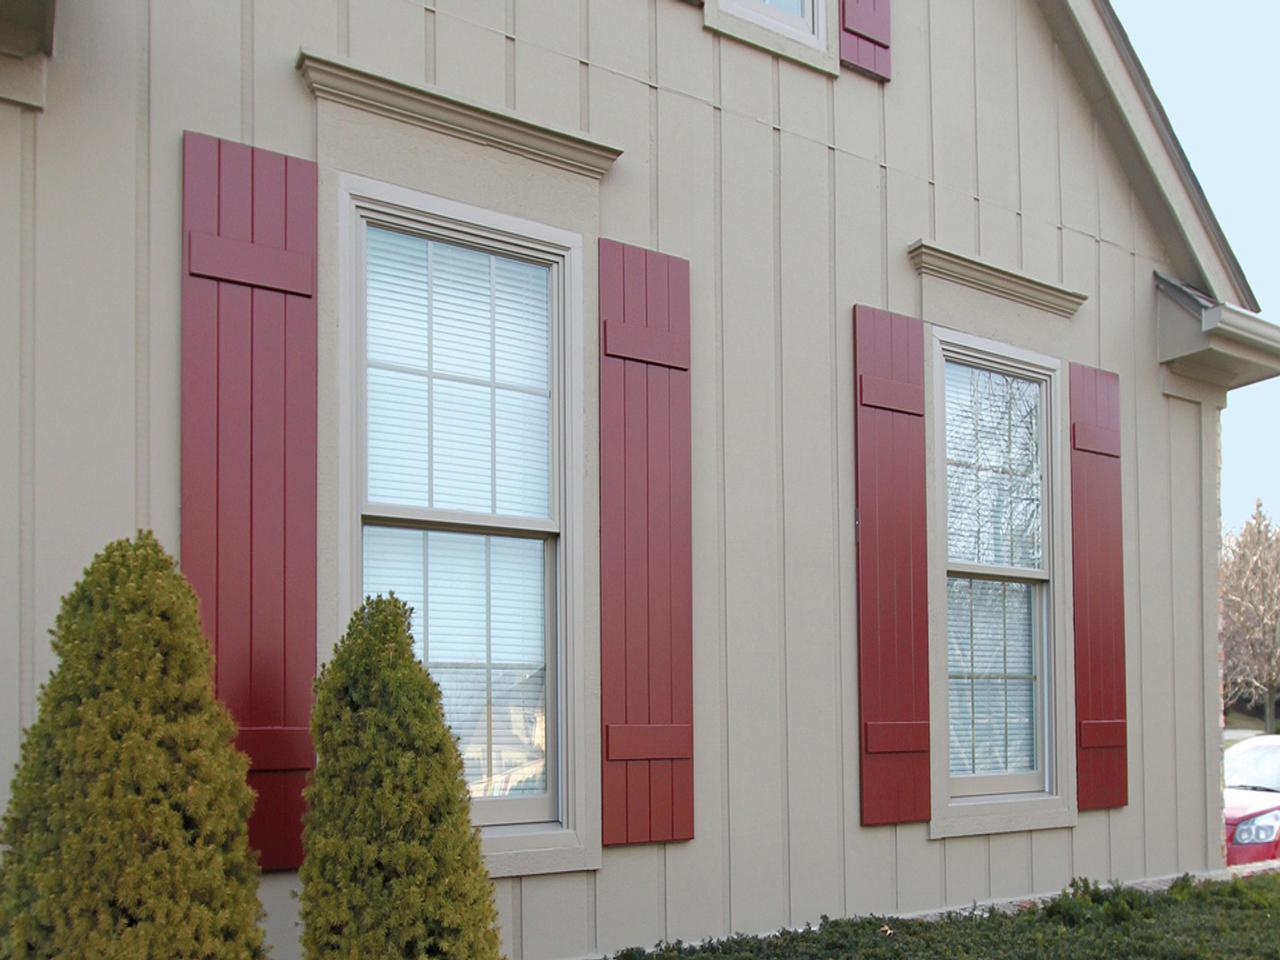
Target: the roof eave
(1114, 77)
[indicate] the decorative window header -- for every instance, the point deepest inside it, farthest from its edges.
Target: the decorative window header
(932, 260)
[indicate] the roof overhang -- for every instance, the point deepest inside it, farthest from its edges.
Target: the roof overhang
(26, 27)
(1215, 342)
(1122, 97)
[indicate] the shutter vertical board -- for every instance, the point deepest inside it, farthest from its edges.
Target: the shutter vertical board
(893, 634)
(1098, 588)
(249, 458)
(864, 36)
(646, 653)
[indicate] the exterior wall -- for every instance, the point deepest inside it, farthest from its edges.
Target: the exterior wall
(794, 195)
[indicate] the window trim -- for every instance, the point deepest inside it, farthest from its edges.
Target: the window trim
(753, 22)
(1054, 804)
(571, 839)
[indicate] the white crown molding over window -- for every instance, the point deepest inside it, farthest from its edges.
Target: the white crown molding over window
(426, 107)
(932, 260)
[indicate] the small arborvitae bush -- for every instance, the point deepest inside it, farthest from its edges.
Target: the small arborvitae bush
(393, 865)
(126, 830)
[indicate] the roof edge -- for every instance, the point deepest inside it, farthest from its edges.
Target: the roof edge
(1138, 73)
(1116, 82)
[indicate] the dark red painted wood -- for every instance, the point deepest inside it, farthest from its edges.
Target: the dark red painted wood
(646, 621)
(893, 635)
(891, 395)
(657, 347)
(249, 457)
(896, 737)
(864, 36)
(235, 261)
(1102, 778)
(640, 741)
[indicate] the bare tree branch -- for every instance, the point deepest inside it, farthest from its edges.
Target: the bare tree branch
(1249, 582)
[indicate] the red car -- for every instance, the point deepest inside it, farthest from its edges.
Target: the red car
(1251, 801)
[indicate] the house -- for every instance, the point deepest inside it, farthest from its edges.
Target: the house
(794, 422)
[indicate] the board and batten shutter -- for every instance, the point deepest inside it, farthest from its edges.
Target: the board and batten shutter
(1098, 589)
(893, 630)
(249, 457)
(646, 617)
(864, 36)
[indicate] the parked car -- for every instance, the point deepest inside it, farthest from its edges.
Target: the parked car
(1251, 800)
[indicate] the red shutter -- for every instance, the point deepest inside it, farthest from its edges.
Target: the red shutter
(646, 619)
(893, 631)
(864, 36)
(249, 457)
(1098, 574)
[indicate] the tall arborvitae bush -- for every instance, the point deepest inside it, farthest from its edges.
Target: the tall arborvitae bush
(393, 866)
(126, 830)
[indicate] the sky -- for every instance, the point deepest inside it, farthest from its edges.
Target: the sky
(1216, 70)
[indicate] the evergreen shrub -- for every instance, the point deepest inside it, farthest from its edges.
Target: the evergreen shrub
(126, 831)
(393, 865)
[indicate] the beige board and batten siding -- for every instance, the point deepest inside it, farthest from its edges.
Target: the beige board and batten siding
(794, 195)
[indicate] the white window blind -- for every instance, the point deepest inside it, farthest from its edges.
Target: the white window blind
(459, 488)
(996, 569)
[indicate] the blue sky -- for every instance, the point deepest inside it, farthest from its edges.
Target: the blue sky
(1216, 69)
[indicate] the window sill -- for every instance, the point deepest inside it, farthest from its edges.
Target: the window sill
(534, 848)
(816, 55)
(1009, 813)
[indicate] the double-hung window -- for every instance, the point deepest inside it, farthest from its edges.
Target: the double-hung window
(460, 515)
(999, 670)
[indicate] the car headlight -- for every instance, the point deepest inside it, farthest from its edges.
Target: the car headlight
(1259, 829)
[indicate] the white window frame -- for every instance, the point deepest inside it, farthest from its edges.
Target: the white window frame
(970, 805)
(807, 28)
(811, 40)
(516, 837)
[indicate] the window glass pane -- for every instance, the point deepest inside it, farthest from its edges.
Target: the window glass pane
(457, 604)
(479, 622)
(397, 437)
(521, 316)
(993, 467)
(397, 299)
(797, 8)
(991, 666)
(459, 379)
(461, 451)
(523, 448)
(461, 311)
(961, 726)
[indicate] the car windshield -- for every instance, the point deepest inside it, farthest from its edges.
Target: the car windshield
(1253, 764)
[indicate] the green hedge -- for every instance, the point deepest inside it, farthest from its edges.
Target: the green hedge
(1222, 920)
